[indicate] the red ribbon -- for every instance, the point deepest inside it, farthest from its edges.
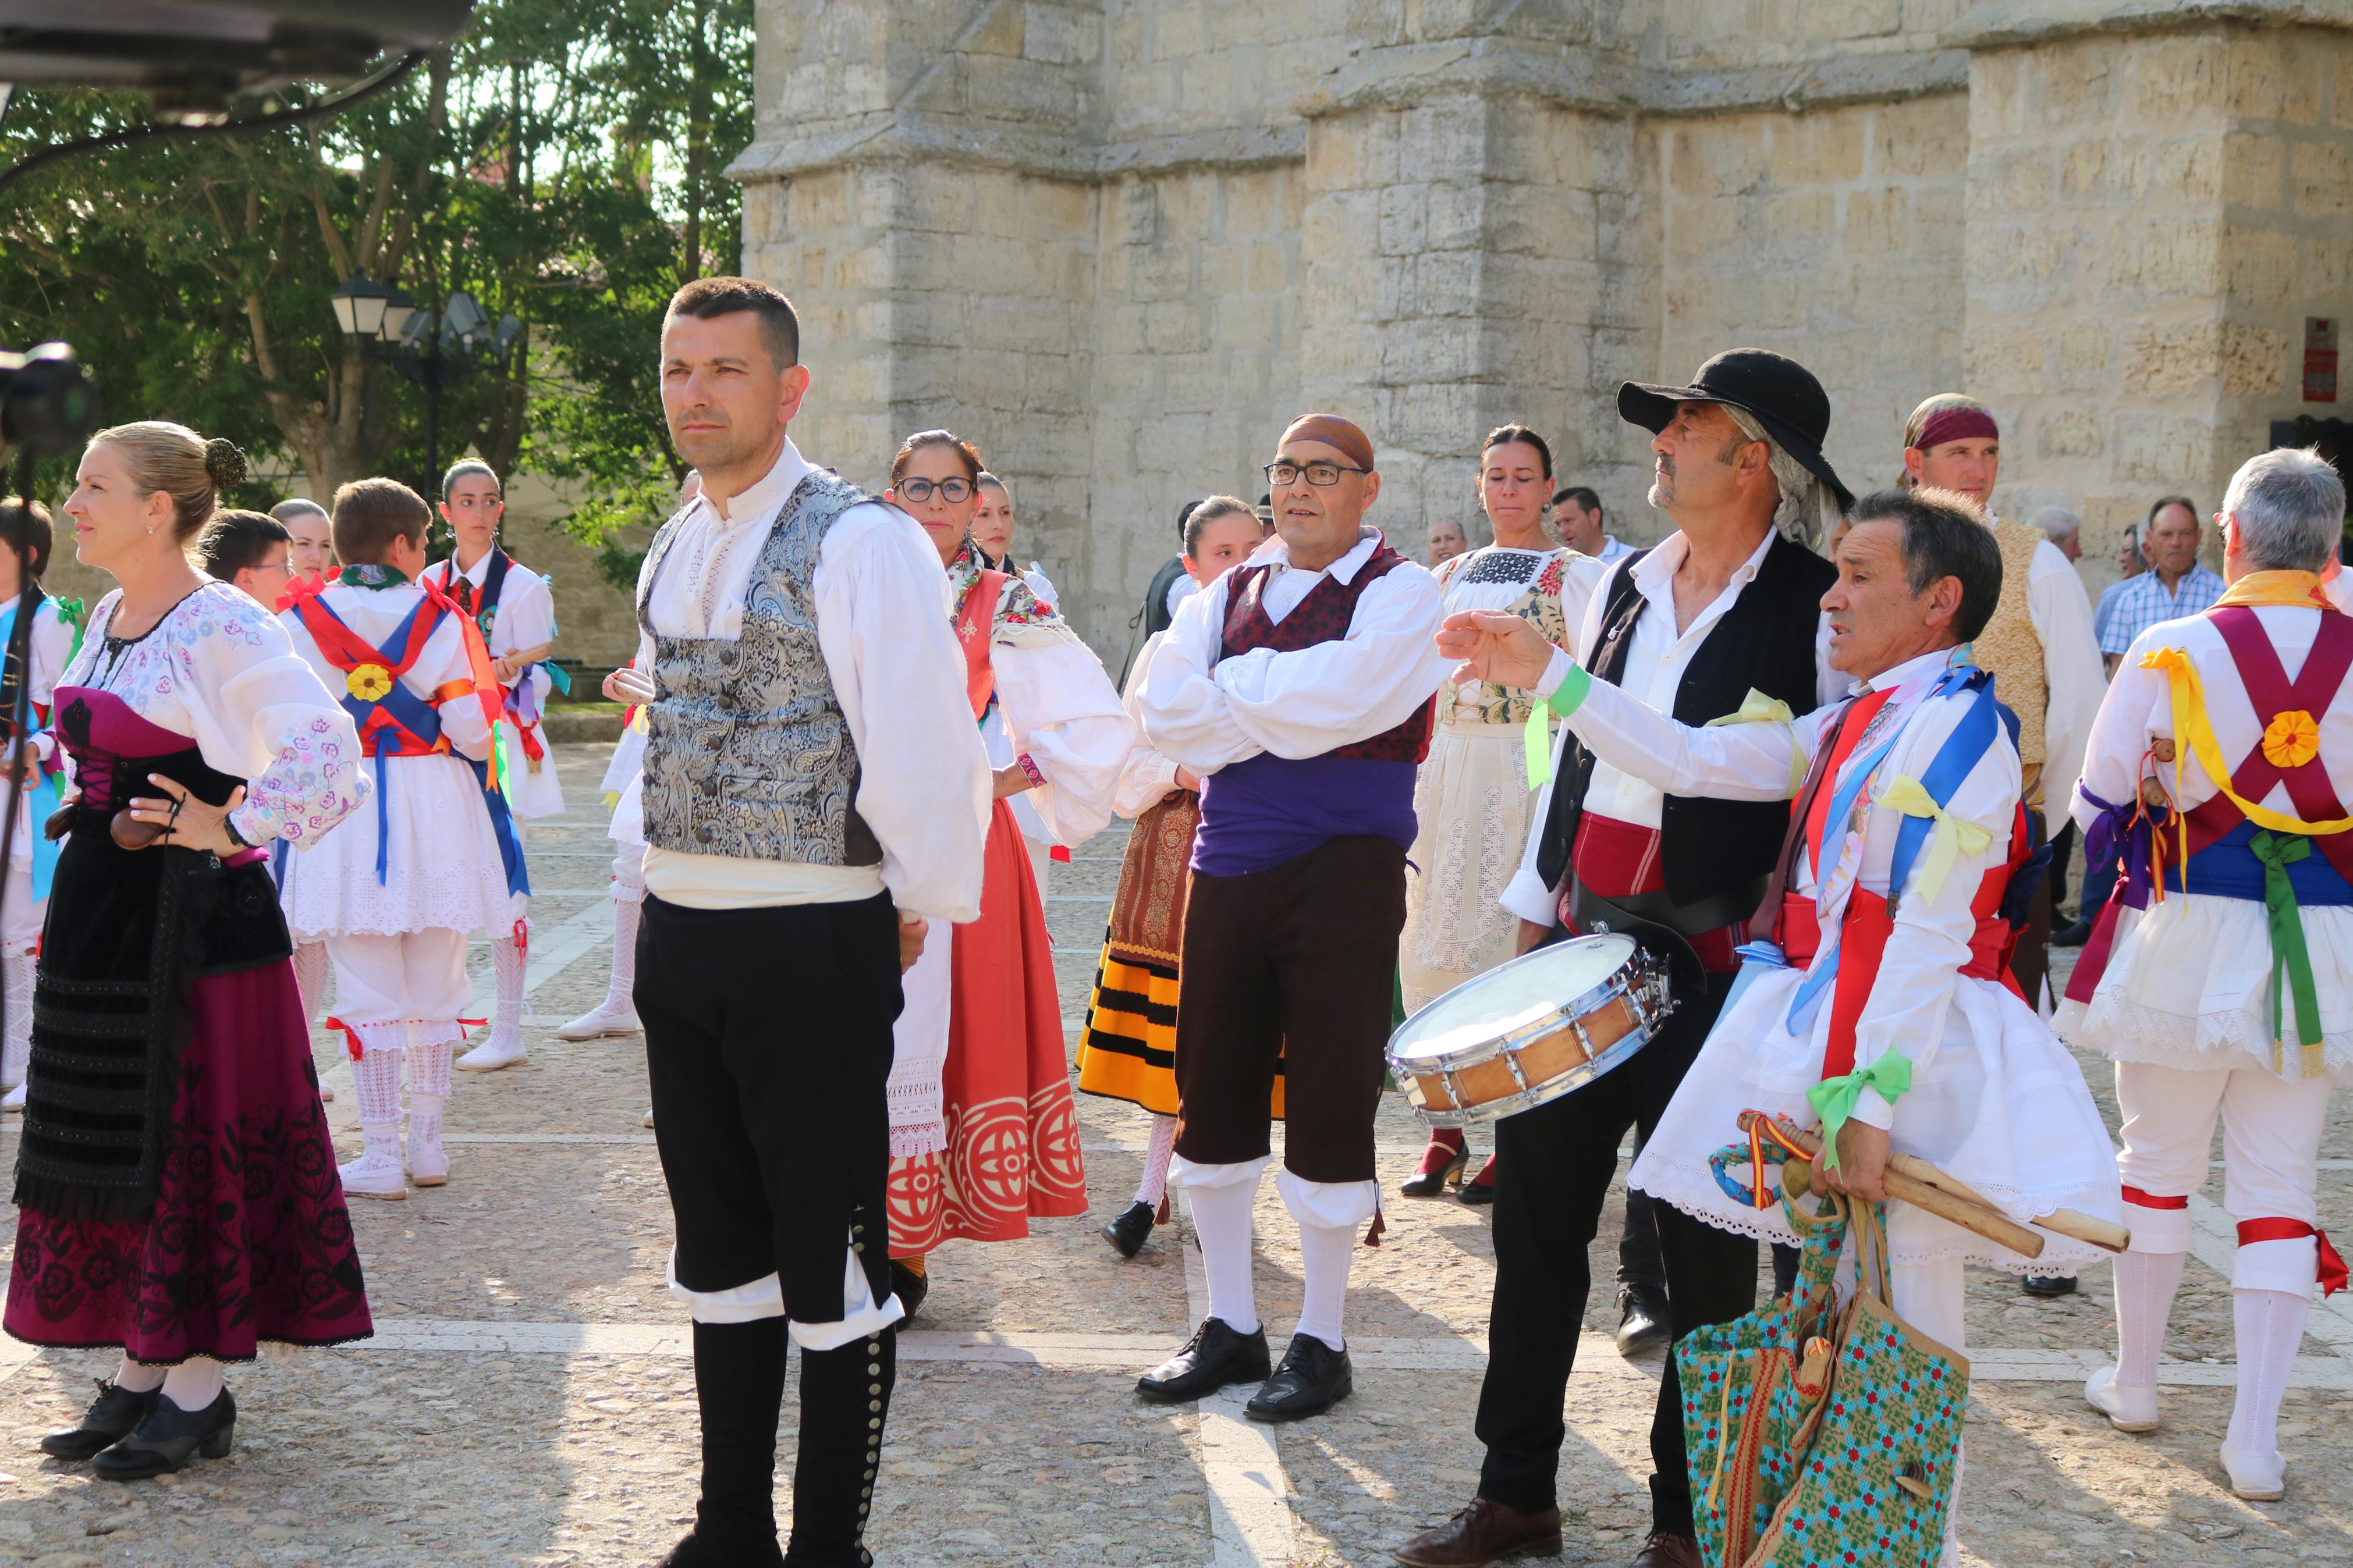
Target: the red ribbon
(522, 941)
(351, 1036)
(2149, 1201)
(2333, 1274)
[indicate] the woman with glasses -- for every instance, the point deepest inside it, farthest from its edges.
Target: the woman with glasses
(515, 609)
(984, 1135)
(1473, 795)
(56, 637)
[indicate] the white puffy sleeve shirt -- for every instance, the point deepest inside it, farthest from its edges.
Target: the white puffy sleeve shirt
(220, 669)
(1149, 776)
(1204, 712)
(2074, 674)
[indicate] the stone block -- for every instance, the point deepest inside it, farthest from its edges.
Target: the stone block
(1335, 152)
(1064, 209)
(2276, 75)
(1821, 147)
(1172, 327)
(2177, 78)
(1452, 213)
(2320, 178)
(2170, 451)
(1718, 158)
(1876, 220)
(1997, 92)
(2007, 361)
(1404, 227)
(2260, 267)
(1160, 273)
(2070, 433)
(1446, 282)
(2103, 169)
(2085, 349)
(2169, 358)
(1061, 34)
(2259, 362)
(1273, 266)
(1247, 203)
(816, 199)
(2075, 84)
(864, 267)
(1703, 227)
(1796, 221)
(1224, 270)
(2164, 258)
(1001, 28)
(2012, 179)
(1924, 136)
(1131, 214)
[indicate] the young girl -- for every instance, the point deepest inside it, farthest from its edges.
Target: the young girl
(32, 858)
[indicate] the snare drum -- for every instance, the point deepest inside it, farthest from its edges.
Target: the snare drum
(1527, 1032)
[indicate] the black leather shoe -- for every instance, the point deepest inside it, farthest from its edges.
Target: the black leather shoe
(168, 1438)
(1480, 1188)
(1440, 1168)
(695, 1551)
(1313, 1378)
(910, 1287)
(1641, 1319)
(111, 1418)
(2074, 935)
(2049, 1285)
(1213, 1358)
(1128, 1233)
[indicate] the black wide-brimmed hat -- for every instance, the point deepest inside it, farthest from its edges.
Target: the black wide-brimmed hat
(1780, 394)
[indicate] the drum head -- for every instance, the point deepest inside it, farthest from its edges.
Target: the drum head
(1509, 998)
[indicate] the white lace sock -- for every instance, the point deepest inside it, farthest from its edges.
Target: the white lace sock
(138, 1376)
(196, 1382)
(2270, 1327)
(17, 1049)
(1326, 1253)
(1222, 1217)
(377, 1079)
(1154, 1184)
(2145, 1282)
(428, 1069)
(623, 985)
(312, 973)
(507, 959)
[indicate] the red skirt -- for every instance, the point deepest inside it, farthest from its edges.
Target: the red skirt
(1012, 1127)
(250, 1239)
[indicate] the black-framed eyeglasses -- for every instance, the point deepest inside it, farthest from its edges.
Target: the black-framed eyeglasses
(1320, 475)
(952, 491)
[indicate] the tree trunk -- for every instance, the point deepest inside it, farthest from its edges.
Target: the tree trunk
(698, 140)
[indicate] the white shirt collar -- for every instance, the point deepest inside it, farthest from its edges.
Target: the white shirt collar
(766, 494)
(1928, 664)
(1662, 563)
(479, 572)
(1275, 552)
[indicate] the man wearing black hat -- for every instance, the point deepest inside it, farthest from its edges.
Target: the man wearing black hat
(1726, 605)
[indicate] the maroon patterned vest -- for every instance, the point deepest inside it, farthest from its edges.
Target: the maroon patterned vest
(1324, 615)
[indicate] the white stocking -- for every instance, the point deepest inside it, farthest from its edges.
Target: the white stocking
(429, 1068)
(16, 1050)
(625, 949)
(1325, 1253)
(507, 961)
(1154, 1184)
(376, 1078)
(312, 972)
(2146, 1283)
(1221, 1216)
(2270, 1327)
(194, 1384)
(138, 1376)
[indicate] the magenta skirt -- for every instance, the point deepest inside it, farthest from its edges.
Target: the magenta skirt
(249, 1240)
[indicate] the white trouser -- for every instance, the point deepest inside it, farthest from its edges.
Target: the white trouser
(629, 872)
(2271, 1149)
(20, 921)
(403, 990)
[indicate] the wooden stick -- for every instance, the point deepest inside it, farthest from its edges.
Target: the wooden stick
(2071, 1222)
(1905, 1187)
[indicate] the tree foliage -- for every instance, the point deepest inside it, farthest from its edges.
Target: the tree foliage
(560, 164)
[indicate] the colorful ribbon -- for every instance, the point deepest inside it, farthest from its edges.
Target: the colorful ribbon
(1834, 1099)
(2129, 833)
(1755, 1192)
(1758, 709)
(1951, 838)
(2334, 1276)
(2194, 733)
(2289, 590)
(2278, 852)
(1564, 701)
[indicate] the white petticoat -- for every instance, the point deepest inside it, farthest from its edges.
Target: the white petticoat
(536, 793)
(2001, 1106)
(1473, 801)
(443, 874)
(629, 824)
(2188, 985)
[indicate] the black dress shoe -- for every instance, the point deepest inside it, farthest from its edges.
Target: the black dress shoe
(168, 1438)
(111, 1418)
(1313, 1378)
(910, 1287)
(2050, 1285)
(1437, 1173)
(1213, 1358)
(2074, 935)
(1128, 1232)
(1480, 1188)
(1642, 1319)
(696, 1550)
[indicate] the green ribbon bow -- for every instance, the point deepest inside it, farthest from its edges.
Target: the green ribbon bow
(70, 612)
(1834, 1098)
(2278, 852)
(1538, 734)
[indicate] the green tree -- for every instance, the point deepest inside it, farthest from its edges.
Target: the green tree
(563, 164)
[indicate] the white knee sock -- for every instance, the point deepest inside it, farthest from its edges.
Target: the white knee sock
(2270, 1327)
(507, 962)
(312, 972)
(17, 1049)
(196, 1382)
(138, 1376)
(624, 950)
(1222, 1216)
(1325, 1255)
(1154, 1184)
(2145, 1282)
(429, 1070)
(376, 1078)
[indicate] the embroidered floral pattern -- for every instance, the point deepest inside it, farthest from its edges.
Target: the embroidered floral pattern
(1018, 607)
(1483, 580)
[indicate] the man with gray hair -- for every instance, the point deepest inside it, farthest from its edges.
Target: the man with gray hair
(2062, 528)
(2233, 1000)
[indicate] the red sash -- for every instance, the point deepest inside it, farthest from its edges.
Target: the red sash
(974, 624)
(347, 651)
(2314, 690)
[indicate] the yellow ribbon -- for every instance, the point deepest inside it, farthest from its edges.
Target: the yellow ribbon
(1953, 837)
(2290, 590)
(1758, 709)
(2193, 733)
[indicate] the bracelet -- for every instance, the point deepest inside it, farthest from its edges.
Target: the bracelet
(1030, 771)
(228, 825)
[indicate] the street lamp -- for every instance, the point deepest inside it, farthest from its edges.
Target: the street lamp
(389, 326)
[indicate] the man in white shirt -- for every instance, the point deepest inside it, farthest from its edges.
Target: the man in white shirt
(1577, 523)
(814, 789)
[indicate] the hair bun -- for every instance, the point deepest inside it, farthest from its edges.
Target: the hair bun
(224, 464)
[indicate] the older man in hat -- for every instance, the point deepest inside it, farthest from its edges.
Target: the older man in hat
(1297, 688)
(1720, 620)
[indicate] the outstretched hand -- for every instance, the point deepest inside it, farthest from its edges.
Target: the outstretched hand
(1495, 646)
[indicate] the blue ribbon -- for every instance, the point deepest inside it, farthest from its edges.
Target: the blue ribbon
(2124, 831)
(409, 711)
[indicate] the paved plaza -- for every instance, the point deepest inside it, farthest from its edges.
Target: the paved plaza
(528, 1397)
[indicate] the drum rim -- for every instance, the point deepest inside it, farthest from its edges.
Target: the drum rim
(1592, 1070)
(1617, 982)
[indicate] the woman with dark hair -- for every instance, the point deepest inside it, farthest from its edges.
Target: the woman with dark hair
(56, 637)
(175, 1184)
(1474, 796)
(984, 1135)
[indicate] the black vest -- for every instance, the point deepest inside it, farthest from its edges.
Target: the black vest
(1765, 640)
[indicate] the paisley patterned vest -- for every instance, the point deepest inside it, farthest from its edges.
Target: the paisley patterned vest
(2009, 648)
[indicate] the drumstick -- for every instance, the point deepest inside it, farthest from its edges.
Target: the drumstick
(1940, 1201)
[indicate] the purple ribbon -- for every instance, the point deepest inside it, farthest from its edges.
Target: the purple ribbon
(2125, 831)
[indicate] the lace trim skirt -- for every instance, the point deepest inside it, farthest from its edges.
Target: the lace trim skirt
(442, 868)
(1473, 803)
(1999, 1105)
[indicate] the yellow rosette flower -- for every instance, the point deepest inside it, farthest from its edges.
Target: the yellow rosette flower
(2291, 739)
(368, 682)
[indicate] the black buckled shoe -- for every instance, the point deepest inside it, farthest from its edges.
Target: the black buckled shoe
(168, 1438)
(2049, 1285)
(1641, 1319)
(1313, 1378)
(111, 1417)
(1215, 1357)
(1128, 1233)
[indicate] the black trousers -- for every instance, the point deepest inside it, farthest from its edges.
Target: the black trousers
(1557, 1162)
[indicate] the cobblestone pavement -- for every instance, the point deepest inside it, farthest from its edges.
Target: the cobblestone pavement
(528, 1400)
